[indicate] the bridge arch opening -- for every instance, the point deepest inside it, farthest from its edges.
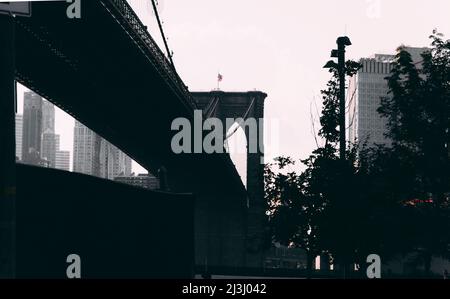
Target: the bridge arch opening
(236, 146)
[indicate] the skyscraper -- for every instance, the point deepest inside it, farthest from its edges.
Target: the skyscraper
(19, 132)
(366, 89)
(86, 150)
(113, 162)
(32, 128)
(48, 116)
(48, 144)
(93, 155)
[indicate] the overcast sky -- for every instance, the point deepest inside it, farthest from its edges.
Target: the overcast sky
(279, 47)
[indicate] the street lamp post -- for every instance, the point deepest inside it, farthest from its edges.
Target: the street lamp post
(342, 42)
(339, 53)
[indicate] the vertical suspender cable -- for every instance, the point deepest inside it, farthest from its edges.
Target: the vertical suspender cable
(169, 54)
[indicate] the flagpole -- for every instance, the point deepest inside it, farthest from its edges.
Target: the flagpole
(219, 79)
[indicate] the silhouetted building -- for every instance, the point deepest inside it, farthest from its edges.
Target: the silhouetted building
(146, 181)
(62, 160)
(366, 89)
(19, 132)
(32, 124)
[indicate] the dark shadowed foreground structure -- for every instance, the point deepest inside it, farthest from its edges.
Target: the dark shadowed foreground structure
(118, 231)
(107, 72)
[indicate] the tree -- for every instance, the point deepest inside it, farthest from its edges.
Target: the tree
(291, 213)
(418, 115)
(306, 210)
(384, 200)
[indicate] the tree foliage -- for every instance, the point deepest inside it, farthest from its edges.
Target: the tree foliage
(418, 114)
(385, 200)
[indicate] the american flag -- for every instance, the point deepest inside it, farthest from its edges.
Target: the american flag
(219, 77)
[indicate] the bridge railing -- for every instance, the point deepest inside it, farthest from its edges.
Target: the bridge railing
(163, 63)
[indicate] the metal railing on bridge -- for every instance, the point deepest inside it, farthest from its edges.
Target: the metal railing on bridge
(163, 64)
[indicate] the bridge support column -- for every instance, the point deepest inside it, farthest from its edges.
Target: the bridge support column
(248, 106)
(7, 149)
(220, 231)
(255, 188)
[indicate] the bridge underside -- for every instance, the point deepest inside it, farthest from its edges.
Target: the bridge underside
(99, 71)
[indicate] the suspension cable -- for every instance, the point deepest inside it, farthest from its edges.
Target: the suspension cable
(169, 54)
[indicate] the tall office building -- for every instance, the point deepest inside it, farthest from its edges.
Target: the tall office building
(113, 162)
(93, 155)
(48, 142)
(86, 150)
(48, 116)
(19, 132)
(366, 89)
(32, 128)
(62, 160)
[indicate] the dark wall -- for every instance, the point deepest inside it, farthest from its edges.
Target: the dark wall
(117, 230)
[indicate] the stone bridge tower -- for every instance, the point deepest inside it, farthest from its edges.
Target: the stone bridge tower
(246, 106)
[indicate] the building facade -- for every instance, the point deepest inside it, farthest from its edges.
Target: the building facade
(366, 89)
(48, 116)
(113, 162)
(48, 148)
(19, 132)
(95, 156)
(32, 128)
(62, 160)
(86, 150)
(48, 141)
